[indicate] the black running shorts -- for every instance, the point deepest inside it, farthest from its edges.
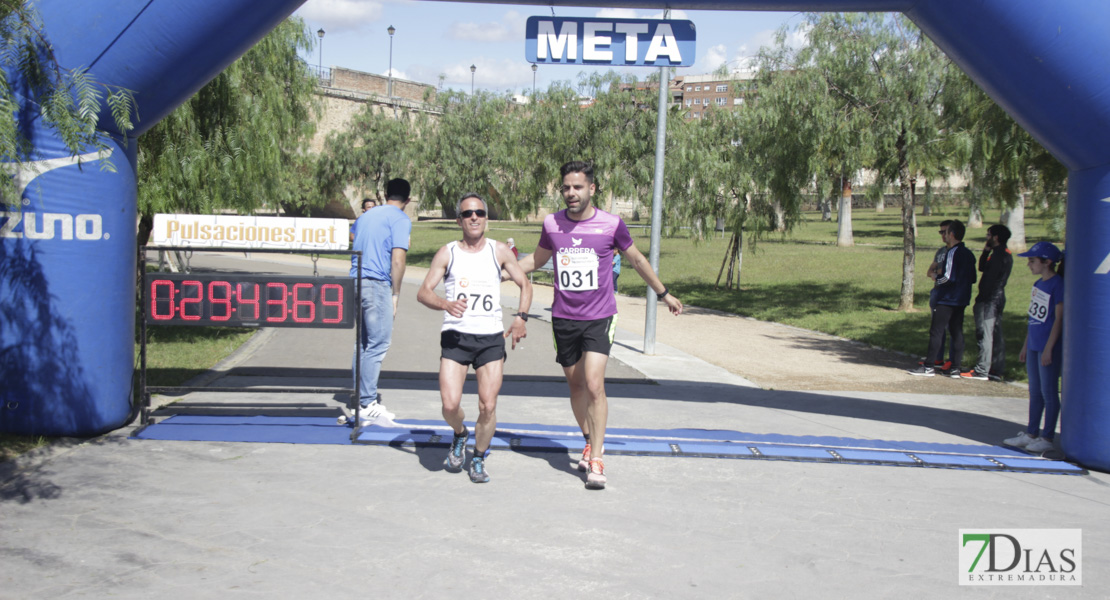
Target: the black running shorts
(575, 338)
(471, 349)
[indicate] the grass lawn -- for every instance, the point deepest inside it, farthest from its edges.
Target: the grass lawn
(804, 279)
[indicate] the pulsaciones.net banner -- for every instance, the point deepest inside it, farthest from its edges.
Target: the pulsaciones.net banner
(232, 231)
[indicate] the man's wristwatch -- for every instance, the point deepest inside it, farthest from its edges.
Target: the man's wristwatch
(523, 316)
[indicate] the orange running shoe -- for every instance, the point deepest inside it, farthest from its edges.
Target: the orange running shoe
(584, 462)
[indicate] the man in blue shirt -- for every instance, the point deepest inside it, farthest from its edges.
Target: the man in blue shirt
(382, 235)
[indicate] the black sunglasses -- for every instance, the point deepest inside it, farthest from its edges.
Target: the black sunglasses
(467, 213)
(943, 231)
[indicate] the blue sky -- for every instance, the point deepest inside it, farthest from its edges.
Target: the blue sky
(445, 38)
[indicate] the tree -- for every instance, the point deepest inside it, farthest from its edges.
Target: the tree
(68, 101)
(883, 69)
(239, 143)
(1008, 168)
(372, 149)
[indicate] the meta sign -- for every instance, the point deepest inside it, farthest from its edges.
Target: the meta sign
(614, 42)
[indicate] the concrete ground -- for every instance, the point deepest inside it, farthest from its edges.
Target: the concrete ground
(121, 517)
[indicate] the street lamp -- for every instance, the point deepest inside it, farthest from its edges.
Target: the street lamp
(472, 69)
(320, 65)
(534, 67)
(391, 31)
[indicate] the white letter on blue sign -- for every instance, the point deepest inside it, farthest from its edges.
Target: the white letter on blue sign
(567, 40)
(631, 41)
(590, 41)
(663, 42)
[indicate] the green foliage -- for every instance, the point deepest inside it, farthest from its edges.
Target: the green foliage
(1001, 157)
(239, 143)
(69, 101)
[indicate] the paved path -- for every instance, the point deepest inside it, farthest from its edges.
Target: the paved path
(120, 517)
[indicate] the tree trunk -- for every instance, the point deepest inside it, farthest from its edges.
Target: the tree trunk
(905, 298)
(927, 203)
(844, 237)
(1014, 218)
(974, 218)
(826, 209)
(880, 204)
(780, 217)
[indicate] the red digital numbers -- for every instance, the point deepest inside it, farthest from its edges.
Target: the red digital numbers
(161, 300)
(279, 302)
(302, 304)
(251, 301)
(337, 303)
(248, 300)
(219, 298)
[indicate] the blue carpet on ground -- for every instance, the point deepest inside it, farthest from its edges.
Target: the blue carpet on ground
(524, 437)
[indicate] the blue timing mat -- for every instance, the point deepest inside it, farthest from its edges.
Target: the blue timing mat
(700, 443)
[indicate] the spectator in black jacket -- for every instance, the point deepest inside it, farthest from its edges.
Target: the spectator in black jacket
(954, 282)
(994, 263)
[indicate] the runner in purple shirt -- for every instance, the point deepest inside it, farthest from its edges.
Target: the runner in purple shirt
(582, 239)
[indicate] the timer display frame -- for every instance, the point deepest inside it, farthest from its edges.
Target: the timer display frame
(233, 290)
(239, 300)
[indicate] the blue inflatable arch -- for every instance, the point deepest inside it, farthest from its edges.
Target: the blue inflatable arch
(67, 259)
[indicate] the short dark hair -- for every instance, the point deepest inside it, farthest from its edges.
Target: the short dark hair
(468, 196)
(397, 189)
(946, 222)
(578, 166)
(956, 229)
(1001, 232)
(370, 200)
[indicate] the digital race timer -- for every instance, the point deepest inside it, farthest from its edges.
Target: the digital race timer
(238, 300)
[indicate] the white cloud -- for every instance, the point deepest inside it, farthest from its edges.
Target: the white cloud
(496, 75)
(341, 15)
(509, 29)
(628, 13)
(714, 56)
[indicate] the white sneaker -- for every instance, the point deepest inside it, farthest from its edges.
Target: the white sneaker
(374, 411)
(1039, 445)
(1022, 440)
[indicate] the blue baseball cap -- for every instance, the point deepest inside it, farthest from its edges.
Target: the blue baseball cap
(1045, 250)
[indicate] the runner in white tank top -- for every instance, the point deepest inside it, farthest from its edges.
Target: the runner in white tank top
(472, 332)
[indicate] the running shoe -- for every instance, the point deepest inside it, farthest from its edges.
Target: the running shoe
(1039, 446)
(457, 453)
(595, 479)
(922, 371)
(1021, 440)
(973, 374)
(478, 472)
(584, 462)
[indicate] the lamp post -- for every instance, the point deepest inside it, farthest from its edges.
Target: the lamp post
(472, 69)
(534, 67)
(391, 31)
(320, 65)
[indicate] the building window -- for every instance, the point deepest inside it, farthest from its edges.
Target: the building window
(689, 88)
(722, 87)
(697, 115)
(697, 88)
(697, 101)
(721, 101)
(689, 102)
(737, 101)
